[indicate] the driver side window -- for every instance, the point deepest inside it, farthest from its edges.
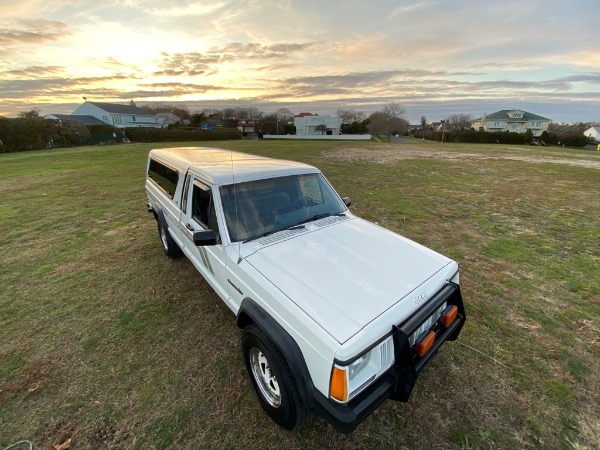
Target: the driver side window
(309, 187)
(203, 207)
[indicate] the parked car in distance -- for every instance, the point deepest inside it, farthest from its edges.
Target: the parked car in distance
(338, 314)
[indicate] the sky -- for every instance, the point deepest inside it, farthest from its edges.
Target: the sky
(434, 57)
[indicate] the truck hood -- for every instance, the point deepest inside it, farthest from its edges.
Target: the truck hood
(345, 275)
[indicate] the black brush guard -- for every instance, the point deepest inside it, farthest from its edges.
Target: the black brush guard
(398, 382)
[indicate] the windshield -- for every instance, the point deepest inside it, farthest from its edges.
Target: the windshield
(256, 208)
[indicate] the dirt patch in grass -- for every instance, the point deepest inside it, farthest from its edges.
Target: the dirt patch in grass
(28, 380)
(389, 153)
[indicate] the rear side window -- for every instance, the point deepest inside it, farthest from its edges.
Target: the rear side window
(164, 176)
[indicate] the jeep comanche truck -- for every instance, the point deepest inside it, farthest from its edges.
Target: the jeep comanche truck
(338, 314)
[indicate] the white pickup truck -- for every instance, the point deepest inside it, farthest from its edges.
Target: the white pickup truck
(338, 314)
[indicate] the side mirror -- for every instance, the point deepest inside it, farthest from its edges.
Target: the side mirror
(205, 238)
(347, 201)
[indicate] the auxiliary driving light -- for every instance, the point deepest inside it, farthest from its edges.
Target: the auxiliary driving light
(449, 315)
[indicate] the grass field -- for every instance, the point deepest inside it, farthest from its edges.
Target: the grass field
(105, 341)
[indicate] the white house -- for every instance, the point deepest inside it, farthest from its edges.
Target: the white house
(593, 133)
(513, 120)
(119, 116)
(313, 124)
(166, 118)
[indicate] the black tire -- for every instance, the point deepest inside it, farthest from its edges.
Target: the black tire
(272, 379)
(170, 247)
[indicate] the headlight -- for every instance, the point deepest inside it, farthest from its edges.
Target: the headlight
(348, 381)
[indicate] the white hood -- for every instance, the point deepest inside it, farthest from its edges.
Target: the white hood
(345, 275)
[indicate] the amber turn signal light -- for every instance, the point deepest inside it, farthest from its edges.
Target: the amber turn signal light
(448, 317)
(425, 344)
(338, 388)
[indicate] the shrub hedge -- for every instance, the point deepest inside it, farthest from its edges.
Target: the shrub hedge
(505, 137)
(23, 134)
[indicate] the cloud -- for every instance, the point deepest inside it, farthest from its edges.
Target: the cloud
(406, 9)
(33, 71)
(195, 63)
(32, 32)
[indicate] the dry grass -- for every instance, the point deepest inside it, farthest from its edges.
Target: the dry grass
(105, 341)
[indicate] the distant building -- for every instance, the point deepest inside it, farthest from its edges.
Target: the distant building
(593, 133)
(167, 118)
(119, 116)
(247, 126)
(513, 120)
(211, 124)
(313, 124)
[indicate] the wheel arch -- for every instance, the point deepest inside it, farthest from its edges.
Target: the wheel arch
(251, 312)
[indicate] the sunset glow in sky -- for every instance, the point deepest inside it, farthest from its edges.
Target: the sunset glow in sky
(435, 57)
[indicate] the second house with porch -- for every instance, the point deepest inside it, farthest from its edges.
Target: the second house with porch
(513, 120)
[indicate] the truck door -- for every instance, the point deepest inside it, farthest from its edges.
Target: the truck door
(197, 214)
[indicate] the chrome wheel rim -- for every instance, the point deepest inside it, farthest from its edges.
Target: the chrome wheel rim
(163, 238)
(265, 379)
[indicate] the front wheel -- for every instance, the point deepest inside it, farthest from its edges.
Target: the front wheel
(272, 379)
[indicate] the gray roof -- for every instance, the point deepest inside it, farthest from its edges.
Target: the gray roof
(85, 120)
(503, 115)
(121, 109)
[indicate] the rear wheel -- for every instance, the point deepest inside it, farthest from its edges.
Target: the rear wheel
(170, 247)
(272, 379)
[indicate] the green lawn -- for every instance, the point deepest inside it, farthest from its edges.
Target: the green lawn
(106, 341)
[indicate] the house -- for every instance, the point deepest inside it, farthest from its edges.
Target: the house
(247, 126)
(311, 124)
(84, 120)
(211, 124)
(119, 116)
(593, 133)
(167, 118)
(513, 120)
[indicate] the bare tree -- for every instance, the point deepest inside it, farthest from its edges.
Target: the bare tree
(350, 115)
(31, 114)
(180, 111)
(394, 110)
(285, 114)
(459, 122)
(389, 121)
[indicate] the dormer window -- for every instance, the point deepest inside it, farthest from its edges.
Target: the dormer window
(516, 114)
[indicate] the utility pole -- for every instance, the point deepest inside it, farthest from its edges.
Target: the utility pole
(443, 129)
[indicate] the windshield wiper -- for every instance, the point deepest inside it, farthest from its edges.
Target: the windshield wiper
(321, 216)
(267, 233)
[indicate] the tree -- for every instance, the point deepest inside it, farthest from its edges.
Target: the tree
(197, 119)
(394, 110)
(31, 114)
(285, 115)
(350, 115)
(355, 127)
(459, 122)
(180, 111)
(389, 121)
(322, 128)
(423, 123)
